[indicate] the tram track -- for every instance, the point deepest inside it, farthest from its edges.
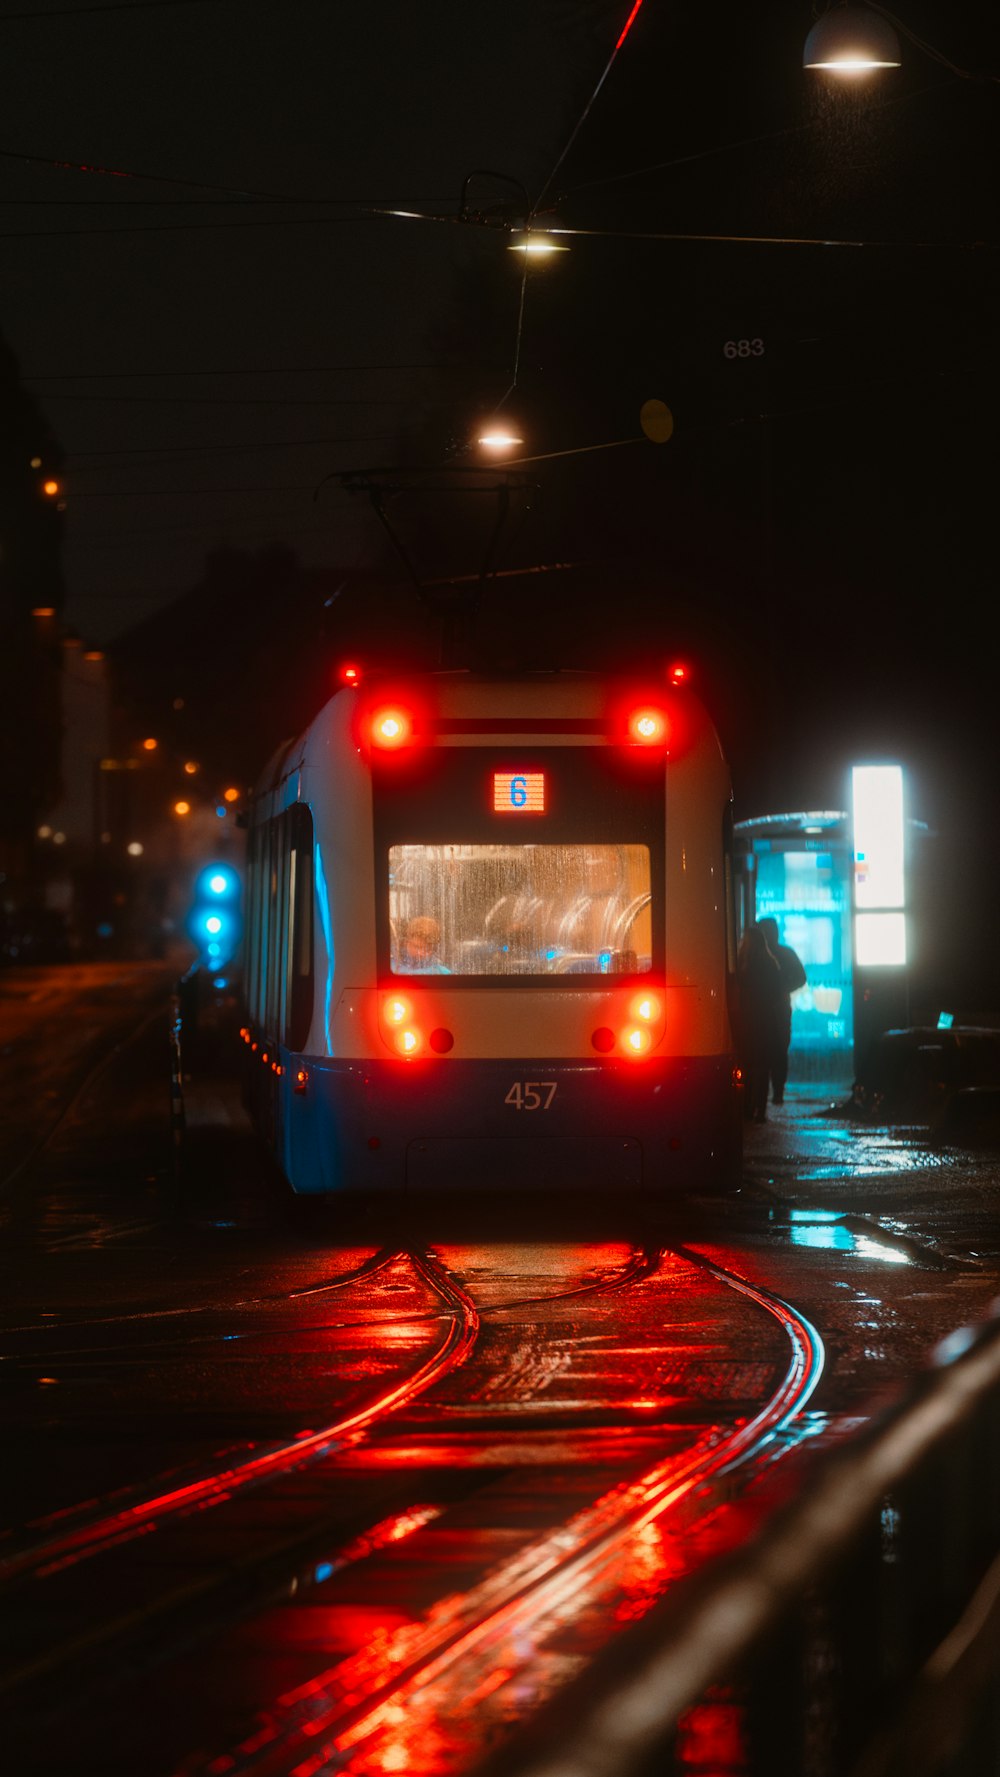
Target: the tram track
(145, 1510)
(227, 1591)
(321, 1724)
(77, 1532)
(347, 1706)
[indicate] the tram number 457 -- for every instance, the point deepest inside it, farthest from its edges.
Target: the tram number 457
(531, 1095)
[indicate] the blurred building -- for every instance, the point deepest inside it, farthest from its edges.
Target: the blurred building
(32, 505)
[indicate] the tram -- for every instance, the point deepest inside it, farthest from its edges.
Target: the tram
(489, 940)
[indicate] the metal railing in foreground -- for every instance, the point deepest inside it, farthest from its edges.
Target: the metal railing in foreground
(856, 1633)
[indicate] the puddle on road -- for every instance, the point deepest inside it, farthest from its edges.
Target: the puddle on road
(826, 1229)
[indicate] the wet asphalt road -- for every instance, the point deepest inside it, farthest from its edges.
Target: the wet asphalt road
(469, 1416)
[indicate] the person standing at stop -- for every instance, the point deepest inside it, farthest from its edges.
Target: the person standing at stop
(758, 1018)
(793, 976)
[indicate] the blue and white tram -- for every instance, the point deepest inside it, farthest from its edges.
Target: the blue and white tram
(490, 941)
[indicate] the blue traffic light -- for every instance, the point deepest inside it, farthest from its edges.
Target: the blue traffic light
(213, 922)
(217, 882)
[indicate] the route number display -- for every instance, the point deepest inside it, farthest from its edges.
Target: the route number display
(521, 792)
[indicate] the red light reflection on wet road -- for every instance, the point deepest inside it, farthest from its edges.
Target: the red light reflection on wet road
(411, 1686)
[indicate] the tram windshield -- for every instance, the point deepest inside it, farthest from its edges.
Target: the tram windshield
(520, 909)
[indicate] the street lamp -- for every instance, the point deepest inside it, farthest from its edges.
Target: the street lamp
(851, 40)
(535, 243)
(498, 439)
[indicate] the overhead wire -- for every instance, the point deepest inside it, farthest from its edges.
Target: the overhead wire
(630, 21)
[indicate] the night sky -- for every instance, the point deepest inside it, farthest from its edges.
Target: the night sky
(217, 336)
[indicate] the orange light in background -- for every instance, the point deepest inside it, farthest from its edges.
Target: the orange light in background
(150, 745)
(191, 766)
(44, 611)
(391, 727)
(93, 654)
(51, 487)
(230, 795)
(647, 726)
(182, 807)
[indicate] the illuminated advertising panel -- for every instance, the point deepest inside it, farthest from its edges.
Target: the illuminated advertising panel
(879, 900)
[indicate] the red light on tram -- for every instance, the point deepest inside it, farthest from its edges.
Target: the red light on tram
(646, 1008)
(396, 1010)
(678, 674)
(637, 1040)
(301, 1080)
(647, 726)
(407, 1041)
(391, 727)
(603, 1039)
(349, 674)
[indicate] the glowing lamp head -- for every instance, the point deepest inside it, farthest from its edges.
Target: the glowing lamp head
(535, 243)
(497, 439)
(391, 728)
(851, 40)
(647, 727)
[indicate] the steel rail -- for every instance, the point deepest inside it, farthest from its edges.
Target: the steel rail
(909, 1704)
(147, 1511)
(324, 1721)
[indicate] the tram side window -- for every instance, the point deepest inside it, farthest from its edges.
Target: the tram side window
(299, 972)
(255, 922)
(276, 923)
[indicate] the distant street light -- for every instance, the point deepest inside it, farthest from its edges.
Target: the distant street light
(497, 439)
(536, 243)
(852, 40)
(182, 808)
